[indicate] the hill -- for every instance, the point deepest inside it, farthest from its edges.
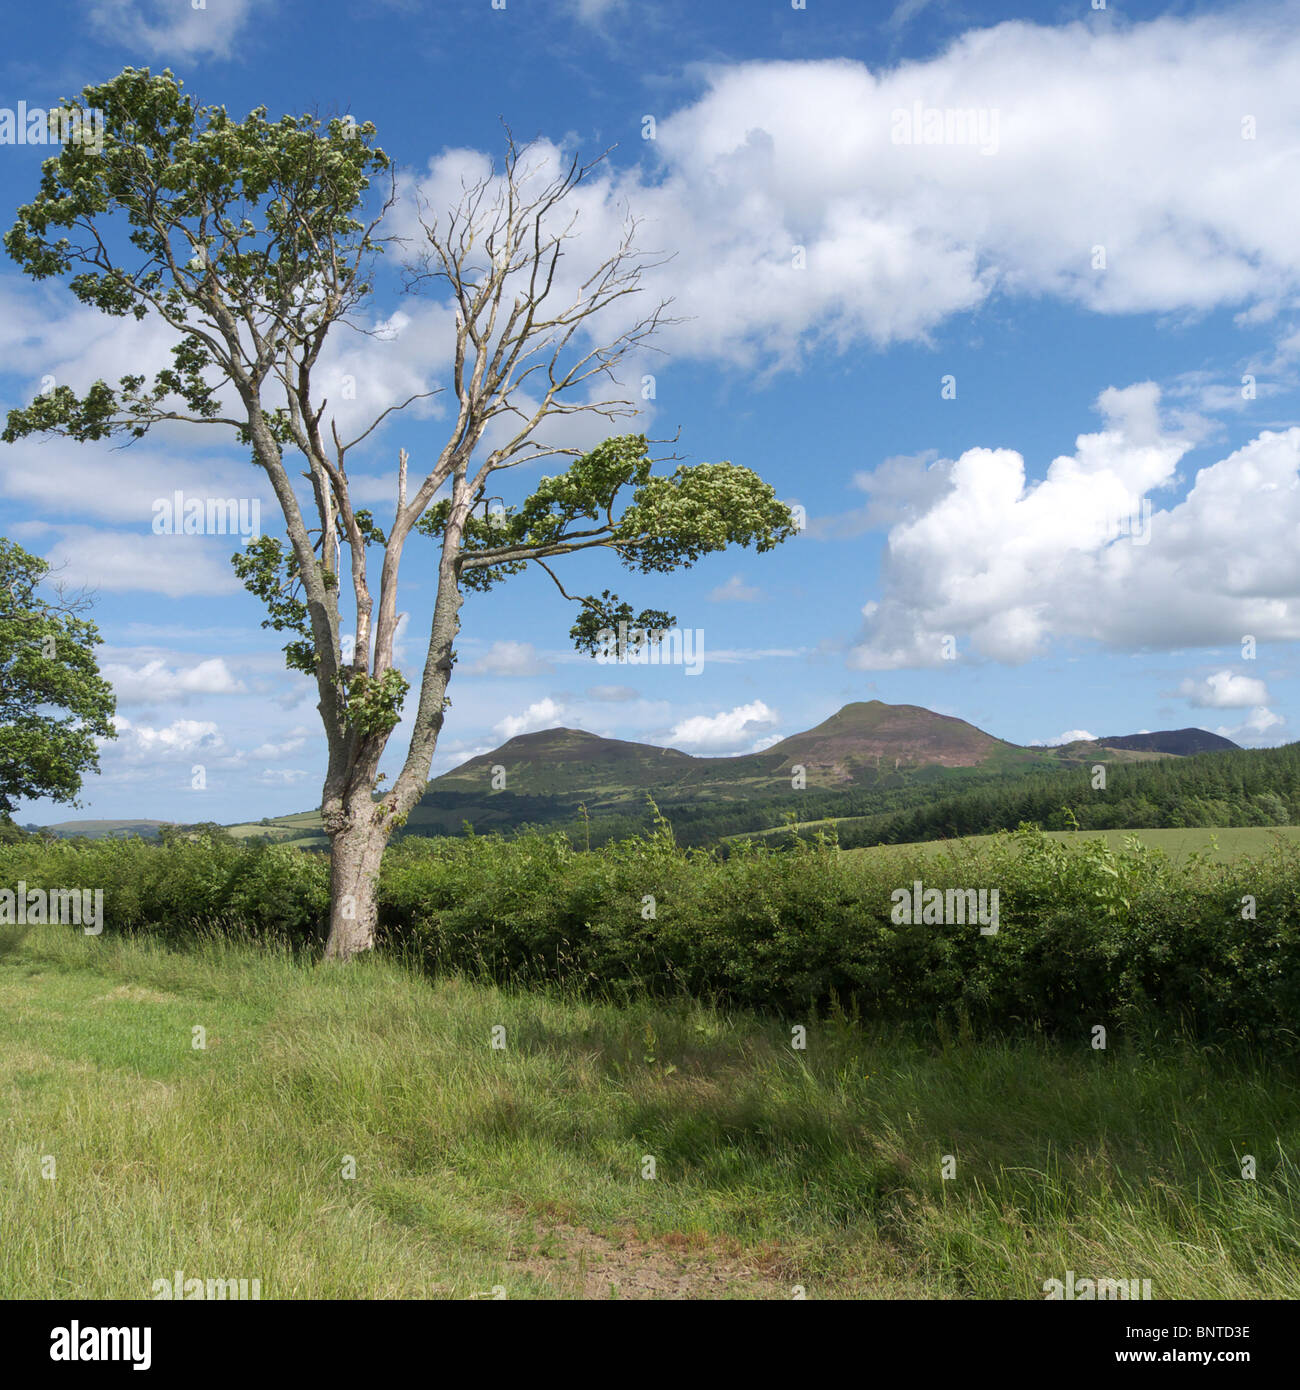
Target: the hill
(854, 747)
(870, 737)
(558, 776)
(1235, 788)
(105, 829)
(1182, 743)
(869, 759)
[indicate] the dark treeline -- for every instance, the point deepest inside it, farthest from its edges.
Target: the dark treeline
(1248, 787)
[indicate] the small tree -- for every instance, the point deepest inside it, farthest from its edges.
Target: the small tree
(53, 701)
(249, 239)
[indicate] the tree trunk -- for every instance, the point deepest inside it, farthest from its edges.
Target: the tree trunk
(355, 855)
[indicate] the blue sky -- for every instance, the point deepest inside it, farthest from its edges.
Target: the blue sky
(1161, 383)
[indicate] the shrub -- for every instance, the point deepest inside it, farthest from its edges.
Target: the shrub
(1086, 935)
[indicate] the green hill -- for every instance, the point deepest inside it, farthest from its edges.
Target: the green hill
(105, 829)
(868, 760)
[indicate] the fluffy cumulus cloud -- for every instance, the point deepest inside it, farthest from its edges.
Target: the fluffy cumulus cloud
(1129, 139)
(805, 202)
(1069, 736)
(541, 714)
(1225, 690)
(1125, 169)
(998, 565)
(154, 682)
(137, 742)
(732, 730)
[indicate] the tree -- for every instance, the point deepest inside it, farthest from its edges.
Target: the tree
(53, 701)
(254, 241)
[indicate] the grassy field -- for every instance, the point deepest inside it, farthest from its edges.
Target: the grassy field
(1221, 844)
(1224, 846)
(521, 1169)
(303, 829)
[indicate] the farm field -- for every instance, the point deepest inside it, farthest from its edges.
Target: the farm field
(523, 1169)
(1223, 845)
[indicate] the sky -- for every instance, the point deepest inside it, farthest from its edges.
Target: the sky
(1004, 297)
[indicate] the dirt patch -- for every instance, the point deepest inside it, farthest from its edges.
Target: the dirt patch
(586, 1265)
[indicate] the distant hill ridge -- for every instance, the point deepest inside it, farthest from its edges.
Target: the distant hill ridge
(865, 745)
(860, 740)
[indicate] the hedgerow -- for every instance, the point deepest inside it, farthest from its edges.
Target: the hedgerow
(1086, 936)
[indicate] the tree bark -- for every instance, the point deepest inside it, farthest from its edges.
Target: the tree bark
(355, 855)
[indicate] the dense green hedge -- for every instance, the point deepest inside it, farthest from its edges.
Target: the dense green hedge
(1087, 936)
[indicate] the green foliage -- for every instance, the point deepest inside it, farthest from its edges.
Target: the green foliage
(198, 830)
(269, 571)
(608, 614)
(54, 704)
(668, 522)
(374, 706)
(243, 236)
(195, 879)
(233, 218)
(1087, 935)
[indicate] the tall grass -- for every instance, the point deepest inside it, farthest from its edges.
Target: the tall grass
(522, 1166)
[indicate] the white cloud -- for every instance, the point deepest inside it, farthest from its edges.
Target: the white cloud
(1118, 137)
(1003, 565)
(156, 683)
(542, 714)
(173, 28)
(735, 590)
(1225, 690)
(509, 659)
(362, 373)
(727, 730)
(280, 776)
(121, 561)
(900, 488)
(272, 751)
(62, 479)
(768, 741)
(1069, 736)
(1107, 136)
(137, 742)
(1258, 724)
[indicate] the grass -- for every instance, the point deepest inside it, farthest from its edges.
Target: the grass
(521, 1168)
(1222, 845)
